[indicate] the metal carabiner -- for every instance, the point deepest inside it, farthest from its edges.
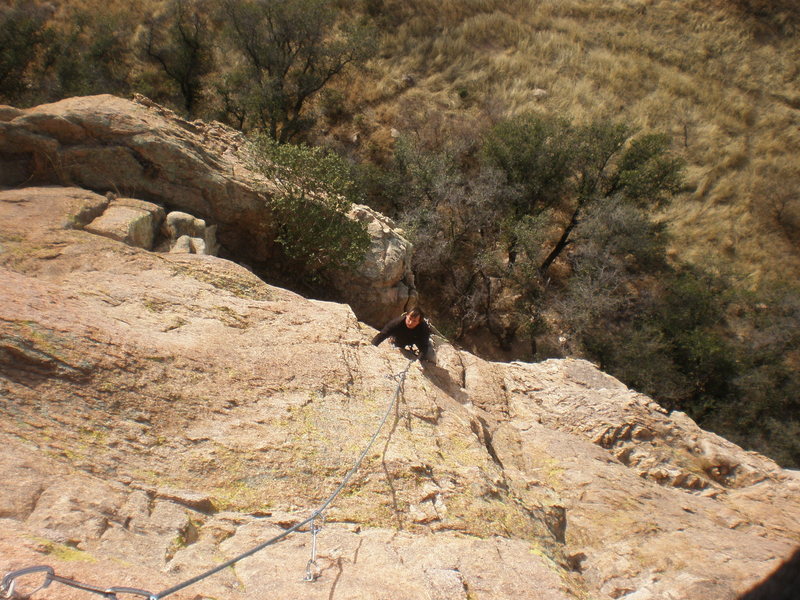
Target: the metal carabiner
(112, 592)
(313, 574)
(10, 580)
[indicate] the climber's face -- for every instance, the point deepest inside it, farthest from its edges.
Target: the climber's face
(412, 321)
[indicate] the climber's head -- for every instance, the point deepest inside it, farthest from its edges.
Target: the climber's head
(414, 317)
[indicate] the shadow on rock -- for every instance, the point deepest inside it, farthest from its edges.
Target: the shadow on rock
(782, 584)
(442, 379)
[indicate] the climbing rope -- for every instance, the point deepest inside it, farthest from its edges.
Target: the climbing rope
(7, 587)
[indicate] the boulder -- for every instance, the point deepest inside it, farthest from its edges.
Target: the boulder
(382, 287)
(104, 143)
(183, 245)
(131, 221)
(187, 234)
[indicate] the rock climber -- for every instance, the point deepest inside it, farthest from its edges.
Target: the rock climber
(407, 331)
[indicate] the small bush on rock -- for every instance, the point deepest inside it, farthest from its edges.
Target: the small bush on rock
(314, 193)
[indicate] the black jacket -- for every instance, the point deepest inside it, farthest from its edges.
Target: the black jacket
(403, 336)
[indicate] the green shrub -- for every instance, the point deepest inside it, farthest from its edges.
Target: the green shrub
(537, 155)
(315, 190)
(647, 172)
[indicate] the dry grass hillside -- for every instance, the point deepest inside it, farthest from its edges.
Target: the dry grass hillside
(720, 77)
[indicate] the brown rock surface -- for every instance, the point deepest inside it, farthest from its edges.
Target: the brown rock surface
(165, 412)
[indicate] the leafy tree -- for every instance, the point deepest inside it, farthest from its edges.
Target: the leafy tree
(91, 54)
(764, 413)
(620, 233)
(492, 230)
(595, 145)
(607, 303)
(691, 314)
(560, 166)
(291, 49)
(639, 354)
(314, 191)
(454, 217)
(22, 32)
(180, 42)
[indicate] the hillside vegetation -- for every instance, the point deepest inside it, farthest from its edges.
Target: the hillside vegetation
(613, 180)
(720, 79)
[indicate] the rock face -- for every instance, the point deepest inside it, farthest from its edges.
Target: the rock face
(141, 150)
(164, 412)
(381, 287)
